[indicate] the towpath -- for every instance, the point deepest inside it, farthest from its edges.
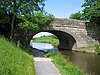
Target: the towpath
(44, 66)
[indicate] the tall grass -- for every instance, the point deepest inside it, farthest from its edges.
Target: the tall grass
(14, 61)
(65, 67)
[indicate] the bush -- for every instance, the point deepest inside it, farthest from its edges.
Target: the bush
(97, 48)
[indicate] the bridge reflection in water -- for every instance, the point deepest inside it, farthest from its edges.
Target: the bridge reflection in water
(42, 46)
(88, 62)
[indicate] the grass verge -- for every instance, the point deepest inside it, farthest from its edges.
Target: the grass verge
(95, 47)
(14, 61)
(47, 39)
(65, 67)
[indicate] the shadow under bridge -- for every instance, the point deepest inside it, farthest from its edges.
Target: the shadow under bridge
(66, 41)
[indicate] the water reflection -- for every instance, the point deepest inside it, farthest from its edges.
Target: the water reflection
(43, 46)
(88, 62)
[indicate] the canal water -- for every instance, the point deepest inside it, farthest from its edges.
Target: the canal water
(44, 46)
(88, 62)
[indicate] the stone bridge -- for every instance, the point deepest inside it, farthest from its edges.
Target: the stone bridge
(72, 34)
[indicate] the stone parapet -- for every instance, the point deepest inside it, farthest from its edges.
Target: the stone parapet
(72, 34)
(68, 23)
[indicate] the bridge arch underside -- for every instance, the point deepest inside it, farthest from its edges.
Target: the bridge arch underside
(66, 41)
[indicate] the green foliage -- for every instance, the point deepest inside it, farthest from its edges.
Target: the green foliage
(27, 14)
(65, 67)
(77, 16)
(14, 61)
(21, 7)
(35, 21)
(5, 23)
(97, 48)
(4, 18)
(88, 48)
(92, 10)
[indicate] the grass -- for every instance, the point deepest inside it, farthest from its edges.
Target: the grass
(14, 61)
(47, 39)
(65, 67)
(95, 47)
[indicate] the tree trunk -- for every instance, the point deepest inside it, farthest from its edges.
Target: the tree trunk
(12, 27)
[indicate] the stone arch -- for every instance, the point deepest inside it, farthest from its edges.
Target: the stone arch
(74, 31)
(66, 41)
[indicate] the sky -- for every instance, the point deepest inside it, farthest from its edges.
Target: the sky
(63, 8)
(42, 34)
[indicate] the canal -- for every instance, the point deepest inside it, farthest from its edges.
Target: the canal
(88, 62)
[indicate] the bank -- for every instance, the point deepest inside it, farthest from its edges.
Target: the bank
(65, 66)
(90, 49)
(15, 61)
(55, 42)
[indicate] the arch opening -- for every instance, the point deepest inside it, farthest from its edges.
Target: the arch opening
(45, 41)
(66, 41)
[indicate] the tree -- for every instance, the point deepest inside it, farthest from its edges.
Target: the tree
(36, 22)
(92, 11)
(77, 16)
(5, 24)
(20, 7)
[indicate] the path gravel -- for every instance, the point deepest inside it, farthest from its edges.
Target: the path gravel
(44, 66)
